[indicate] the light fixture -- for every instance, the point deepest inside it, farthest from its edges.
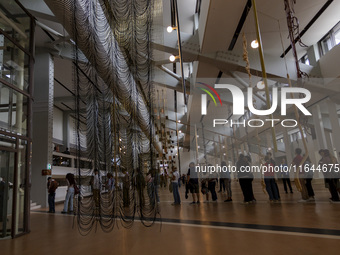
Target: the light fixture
(224, 154)
(180, 131)
(172, 58)
(170, 29)
(223, 146)
(254, 44)
(197, 136)
(260, 85)
(179, 121)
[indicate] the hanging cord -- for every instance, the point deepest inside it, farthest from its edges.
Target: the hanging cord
(245, 57)
(296, 179)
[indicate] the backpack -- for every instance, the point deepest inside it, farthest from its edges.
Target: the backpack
(53, 186)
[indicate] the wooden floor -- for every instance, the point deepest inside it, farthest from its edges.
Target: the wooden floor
(209, 228)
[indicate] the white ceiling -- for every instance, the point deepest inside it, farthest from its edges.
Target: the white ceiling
(222, 19)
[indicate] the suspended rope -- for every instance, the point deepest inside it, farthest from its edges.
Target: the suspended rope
(245, 57)
(292, 23)
(113, 86)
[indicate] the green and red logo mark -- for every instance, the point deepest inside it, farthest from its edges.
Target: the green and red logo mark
(204, 96)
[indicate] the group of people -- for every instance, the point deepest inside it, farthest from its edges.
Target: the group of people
(52, 186)
(302, 164)
(207, 183)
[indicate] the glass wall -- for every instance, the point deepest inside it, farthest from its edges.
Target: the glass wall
(16, 60)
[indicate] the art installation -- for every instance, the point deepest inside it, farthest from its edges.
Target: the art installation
(114, 106)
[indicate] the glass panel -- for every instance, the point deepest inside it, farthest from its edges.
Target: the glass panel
(15, 22)
(326, 44)
(337, 37)
(13, 111)
(19, 113)
(4, 106)
(20, 205)
(6, 192)
(14, 64)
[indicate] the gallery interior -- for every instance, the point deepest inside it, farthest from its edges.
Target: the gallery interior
(198, 125)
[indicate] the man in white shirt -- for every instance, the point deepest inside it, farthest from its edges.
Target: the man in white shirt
(174, 179)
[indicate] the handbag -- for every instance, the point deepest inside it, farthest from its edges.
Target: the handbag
(76, 189)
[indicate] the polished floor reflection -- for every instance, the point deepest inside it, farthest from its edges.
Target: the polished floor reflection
(288, 227)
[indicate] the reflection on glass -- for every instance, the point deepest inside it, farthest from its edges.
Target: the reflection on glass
(337, 37)
(13, 111)
(15, 22)
(14, 64)
(4, 106)
(6, 192)
(20, 205)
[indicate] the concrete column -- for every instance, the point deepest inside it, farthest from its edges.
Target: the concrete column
(334, 120)
(42, 122)
(319, 128)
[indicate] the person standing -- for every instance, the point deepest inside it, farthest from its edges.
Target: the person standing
(327, 162)
(68, 203)
(222, 184)
(140, 185)
(227, 181)
(192, 181)
(285, 176)
(308, 180)
(272, 161)
(67, 151)
(174, 180)
(269, 180)
(296, 163)
(245, 179)
(95, 185)
(212, 185)
(126, 189)
(52, 185)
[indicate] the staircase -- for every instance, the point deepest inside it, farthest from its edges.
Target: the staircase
(35, 206)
